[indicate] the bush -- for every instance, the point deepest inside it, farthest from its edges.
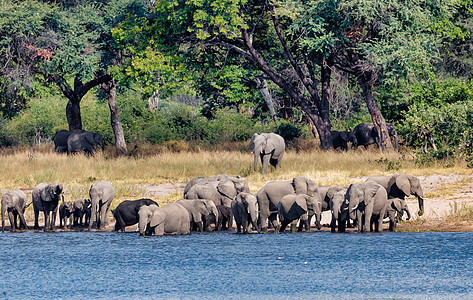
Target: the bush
(288, 131)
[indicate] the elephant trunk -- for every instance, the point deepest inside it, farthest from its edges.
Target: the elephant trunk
(408, 213)
(421, 205)
(256, 153)
(142, 226)
(93, 213)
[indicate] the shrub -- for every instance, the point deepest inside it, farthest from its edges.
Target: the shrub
(288, 131)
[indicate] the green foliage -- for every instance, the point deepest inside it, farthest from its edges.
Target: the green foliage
(288, 131)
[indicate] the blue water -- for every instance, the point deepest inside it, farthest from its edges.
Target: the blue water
(317, 265)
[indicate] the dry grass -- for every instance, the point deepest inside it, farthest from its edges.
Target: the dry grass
(26, 167)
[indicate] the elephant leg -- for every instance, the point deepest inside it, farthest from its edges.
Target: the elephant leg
(262, 218)
(283, 225)
(273, 221)
(200, 227)
(332, 224)
(36, 218)
(12, 220)
(53, 219)
(159, 230)
(46, 219)
(359, 217)
(265, 162)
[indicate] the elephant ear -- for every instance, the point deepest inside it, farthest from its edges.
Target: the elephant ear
(300, 185)
(301, 204)
(397, 204)
(58, 189)
(89, 137)
(157, 218)
(271, 144)
(371, 188)
(403, 183)
(227, 188)
(47, 194)
(252, 141)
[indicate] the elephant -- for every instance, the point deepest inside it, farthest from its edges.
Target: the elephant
(101, 196)
(340, 139)
(14, 202)
(223, 220)
(396, 207)
(270, 149)
(66, 212)
(269, 196)
(84, 141)
(60, 140)
(339, 210)
(170, 219)
(222, 189)
(402, 186)
(366, 135)
(198, 210)
(238, 182)
(298, 206)
(46, 199)
(82, 211)
(367, 203)
(126, 213)
(245, 212)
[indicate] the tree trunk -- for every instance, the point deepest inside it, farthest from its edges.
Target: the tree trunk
(111, 88)
(366, 81)
(73, 115)
(262, 86)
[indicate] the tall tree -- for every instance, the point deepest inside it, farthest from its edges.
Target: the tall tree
(65, 42)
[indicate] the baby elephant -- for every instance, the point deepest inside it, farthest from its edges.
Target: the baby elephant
(339, 209)
(82, 211)
(245, 212)
(395, 209)
(298, 206)
(66, 212)
(170, 219)
(14, 203)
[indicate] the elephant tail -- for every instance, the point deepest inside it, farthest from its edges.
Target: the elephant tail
(27, 205)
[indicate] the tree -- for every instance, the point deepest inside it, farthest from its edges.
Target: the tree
(62, 42)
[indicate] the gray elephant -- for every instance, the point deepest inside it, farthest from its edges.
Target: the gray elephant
(295, 207)
(221, 192)
(366, 135)
(170, 219)
(85, 141)
(269, 147)
(269, 196)
(60, 140)
(339, 211)
(101, 196)
(46, 199)
(340, 139)
(199, 209)
(396, 207)
(82, 211)
(367, 204)
(245, 212)
(66, 213)
(402, 186)
(14, 202)
(239, 182)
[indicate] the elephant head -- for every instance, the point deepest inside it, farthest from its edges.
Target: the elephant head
(360, 195)
(232, 186)
(51, 192)
(249, 202)
(150, 215)
(407, 185)
(303, 185)
(400, 206)
(314, 207)
(352, 139)
(94, 138)
(339, 209)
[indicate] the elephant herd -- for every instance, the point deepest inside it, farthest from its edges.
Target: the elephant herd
(364, 134)
(220, 199)
(69, 142)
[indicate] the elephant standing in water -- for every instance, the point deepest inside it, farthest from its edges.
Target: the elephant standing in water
(269, 196)
(199, 210)
(170, 219)
(293, 207)
(14, 203)
(366, 135)
(126, 213)
(339, 209)
(85, 141)
(245, 212)
(269, 147)
(221, 189)
(46, 199)
(367, 203)
(82, 211)
(101, 195)
(402, 186)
